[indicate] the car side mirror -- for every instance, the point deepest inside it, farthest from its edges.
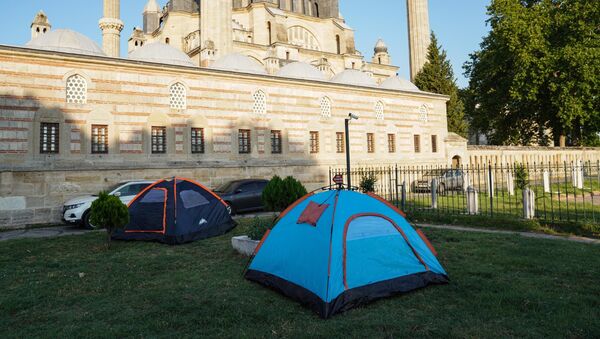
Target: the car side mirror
(117, 194)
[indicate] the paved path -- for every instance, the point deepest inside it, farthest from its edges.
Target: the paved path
(59, 231)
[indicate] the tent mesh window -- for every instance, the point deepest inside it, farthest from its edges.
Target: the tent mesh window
(49, 138)
(197, 140)
(276, 142)
(325, 107)
(392, 143)
(434, 146)
(314, 142)
(99, 139)
(159, 139)
(417, 141)
(379, 111)
(260, 103)
(76, 89)
(244, 143)
(339, 142)
(178, 97)
(370, 143)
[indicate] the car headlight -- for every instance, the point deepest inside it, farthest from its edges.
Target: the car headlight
(72, 207)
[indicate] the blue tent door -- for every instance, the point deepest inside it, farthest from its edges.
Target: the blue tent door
(150, 213)
(375, 249)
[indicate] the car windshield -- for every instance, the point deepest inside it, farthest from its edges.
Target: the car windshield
(433, 173)
(226, 187)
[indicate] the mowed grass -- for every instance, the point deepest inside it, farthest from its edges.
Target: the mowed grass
(501, 286)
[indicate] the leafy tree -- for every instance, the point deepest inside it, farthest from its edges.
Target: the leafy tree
(437, 77)
(536, 75)
(110, 213)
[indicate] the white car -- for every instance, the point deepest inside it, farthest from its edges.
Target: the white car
(77, 210)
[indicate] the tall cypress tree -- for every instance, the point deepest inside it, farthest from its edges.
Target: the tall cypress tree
(437, 77)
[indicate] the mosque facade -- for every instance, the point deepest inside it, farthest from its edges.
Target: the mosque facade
(213, 90)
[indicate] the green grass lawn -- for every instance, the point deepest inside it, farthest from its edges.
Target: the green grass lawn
(501, 286)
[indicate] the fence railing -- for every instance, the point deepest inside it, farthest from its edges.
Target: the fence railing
(550, 192)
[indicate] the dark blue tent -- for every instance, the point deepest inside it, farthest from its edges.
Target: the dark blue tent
(176, 211)
(338, 249)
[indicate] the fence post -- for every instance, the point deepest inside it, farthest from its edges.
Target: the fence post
(510, 182)
(396, 184)
(546, 181)
(434, 188)
(404, 196)
(528, 203)
(491, 189)
(472, 201)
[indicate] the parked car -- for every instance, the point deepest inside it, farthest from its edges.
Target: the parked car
(243, 195)
(448, 180)
(77, 210)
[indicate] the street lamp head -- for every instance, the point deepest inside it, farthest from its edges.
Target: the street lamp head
(352, 116)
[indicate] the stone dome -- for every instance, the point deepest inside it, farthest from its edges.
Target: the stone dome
(354, 77)
(160, 53)
(381, 47)
(301, 70)
(67, 41)
(238, 63)
(399, 84)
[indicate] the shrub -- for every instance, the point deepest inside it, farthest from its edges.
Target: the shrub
(521, 177)
(279, 194)
(258, 227)
(110, 213)
(367, 183)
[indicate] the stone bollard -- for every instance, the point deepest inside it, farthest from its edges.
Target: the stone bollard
(472, 201)
(528, 204)
(510, 183)
(434, 188)
(466, 181)
(546, 181)
(577, 174)
(489, 182)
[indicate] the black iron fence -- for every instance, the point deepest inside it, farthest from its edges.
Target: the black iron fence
(550, 192)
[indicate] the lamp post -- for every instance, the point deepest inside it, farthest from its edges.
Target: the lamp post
(347, 123)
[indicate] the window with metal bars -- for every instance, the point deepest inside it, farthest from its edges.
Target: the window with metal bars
(99, 139)
(159, 139)
(417, 141)
(340, 142)
(276, 142)
(392, 143)
(49, 138)
(314, 142)
(434, 145)
(197, 140)
(370, 143)
(244, 143)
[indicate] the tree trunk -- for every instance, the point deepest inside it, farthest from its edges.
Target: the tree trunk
(562, 140)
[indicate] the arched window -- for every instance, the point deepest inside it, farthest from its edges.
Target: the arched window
(325, 107)
(270, 32)
(167, 41)
(76, 89)
(379, 110)
(260, 103)
(178, 96)
(423, 114)
(338, 44)
(316, 13)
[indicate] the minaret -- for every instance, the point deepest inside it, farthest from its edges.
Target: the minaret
(40, 25)
(151, 16)
(381, 55)
(111, 26)
(216, 26)
(418, 34)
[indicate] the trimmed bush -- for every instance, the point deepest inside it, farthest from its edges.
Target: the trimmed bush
(367, 183)
(110, 213)
(279, 194)
(258, 227)
(521, 177)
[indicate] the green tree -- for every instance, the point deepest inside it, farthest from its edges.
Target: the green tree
(537, 72)
(437, 77)
(279, 194)
(110, 213)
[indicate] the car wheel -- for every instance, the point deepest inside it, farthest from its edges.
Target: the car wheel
(86, 221)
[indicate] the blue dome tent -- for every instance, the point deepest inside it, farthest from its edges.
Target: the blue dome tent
(174, 212)
(339, 249)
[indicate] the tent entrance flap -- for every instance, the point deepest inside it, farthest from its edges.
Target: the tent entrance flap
(154, 220)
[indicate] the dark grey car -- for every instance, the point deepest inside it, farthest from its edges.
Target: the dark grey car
(243, 195)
